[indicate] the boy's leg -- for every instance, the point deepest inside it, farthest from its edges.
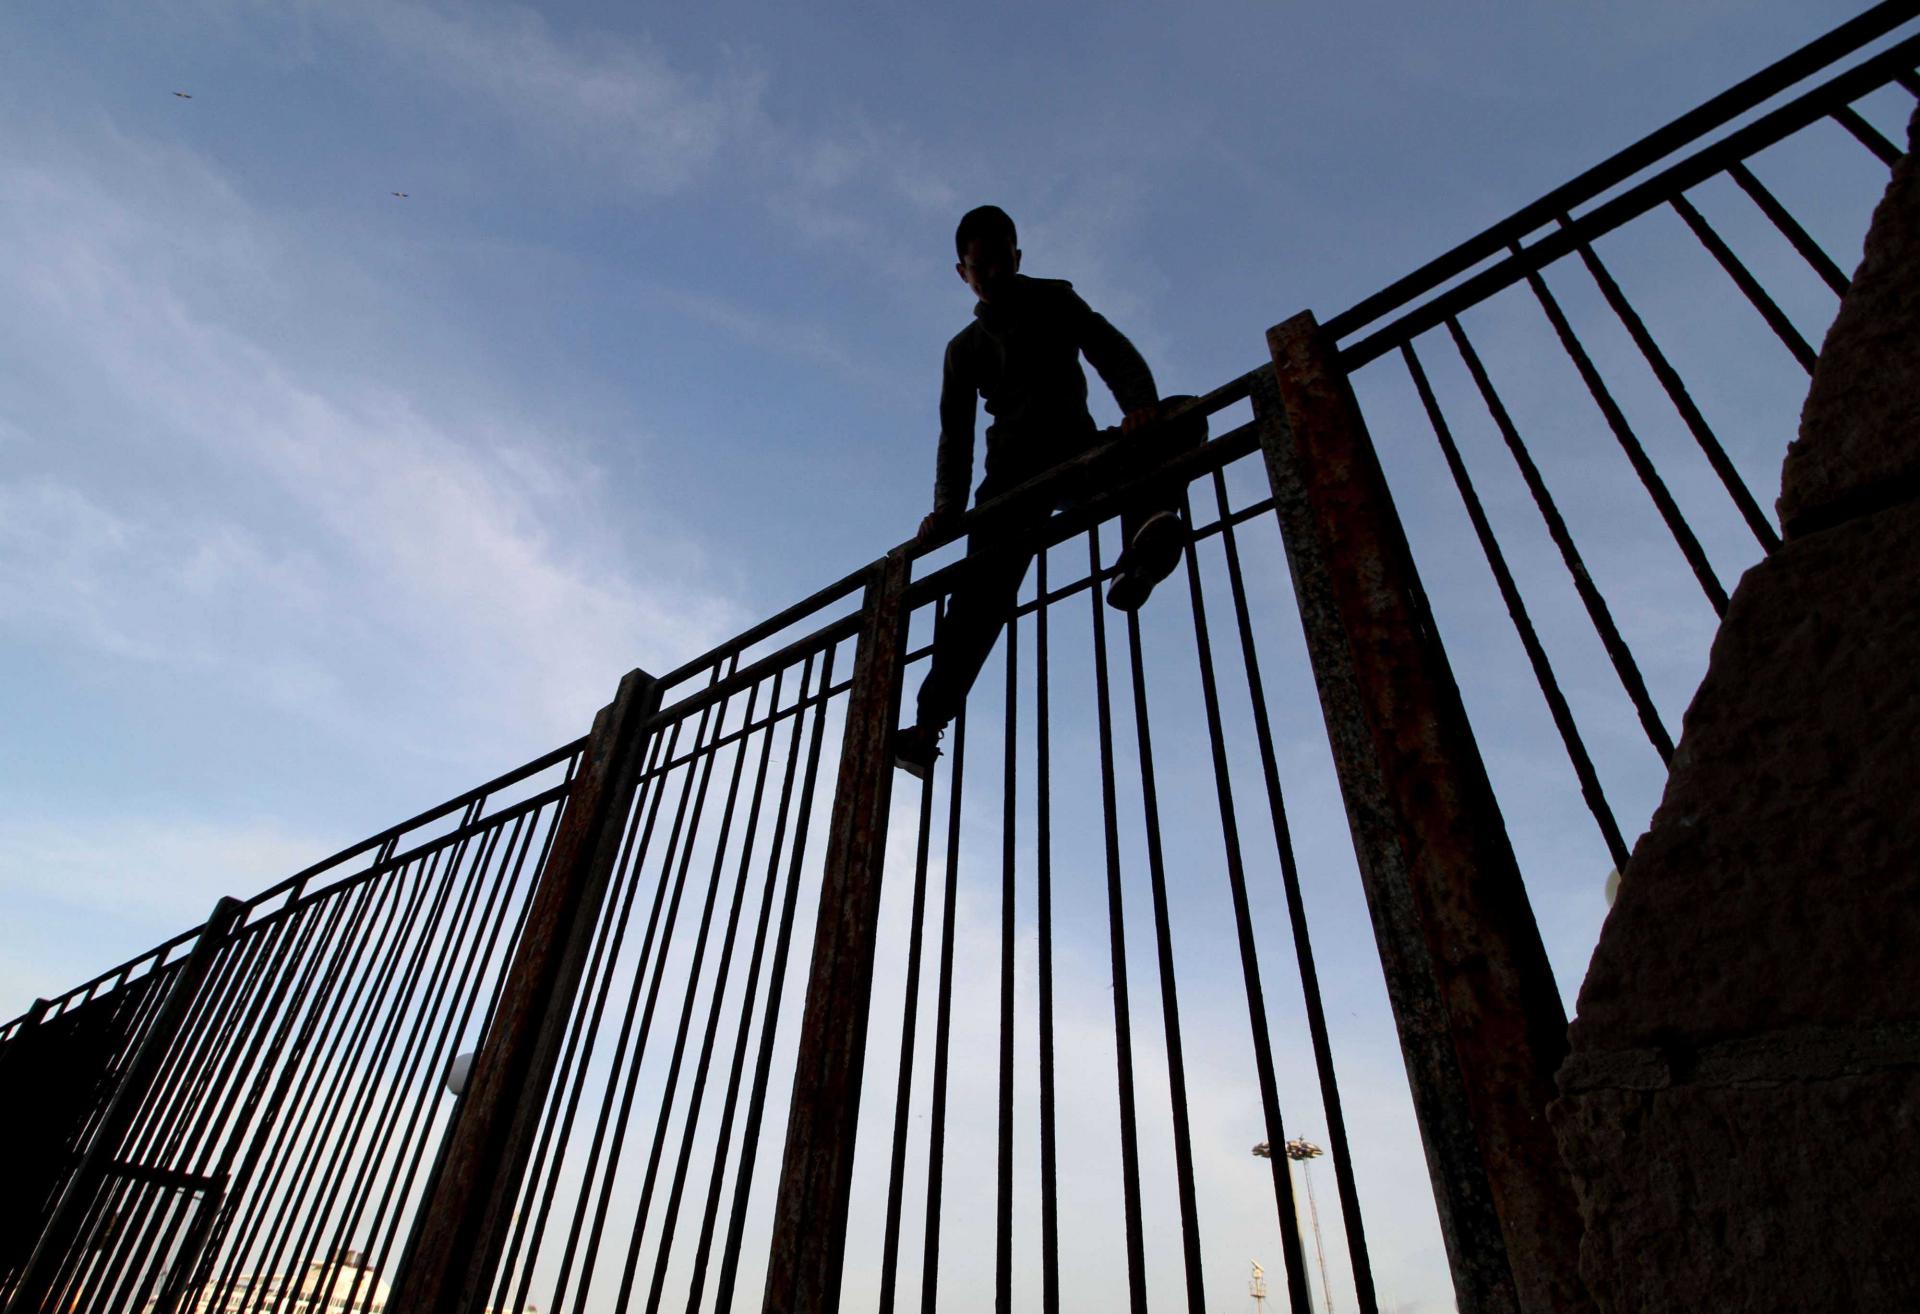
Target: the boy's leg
(976, 612)
(1151, 527)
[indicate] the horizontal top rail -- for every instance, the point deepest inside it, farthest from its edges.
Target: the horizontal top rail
(987, 513)
(1214, 454)
(546, 797)
(845, 586)
(299, 879)
(998, 508)
(158, 956)
(1720, 110)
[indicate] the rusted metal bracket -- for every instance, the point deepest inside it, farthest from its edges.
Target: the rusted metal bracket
(816, 1176)
(462, 1226)
(69, 1216)
(1480, 1019)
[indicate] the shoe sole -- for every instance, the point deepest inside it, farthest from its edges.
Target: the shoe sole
(1149, 562)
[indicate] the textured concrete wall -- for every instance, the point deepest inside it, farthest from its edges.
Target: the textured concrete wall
(1741, 1106)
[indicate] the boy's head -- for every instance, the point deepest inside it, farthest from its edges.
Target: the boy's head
(988, 249)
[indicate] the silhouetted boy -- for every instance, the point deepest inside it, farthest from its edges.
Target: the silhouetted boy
(1022, 356)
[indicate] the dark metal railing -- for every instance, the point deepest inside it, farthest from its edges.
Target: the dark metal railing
(293, 1098)
(1629, 192)
(1020, 1054)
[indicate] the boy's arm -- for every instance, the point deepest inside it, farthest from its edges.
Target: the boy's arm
(953, 466)
(1120, 366)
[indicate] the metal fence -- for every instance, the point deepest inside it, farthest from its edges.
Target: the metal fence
(756, 1020)
(268, 1087)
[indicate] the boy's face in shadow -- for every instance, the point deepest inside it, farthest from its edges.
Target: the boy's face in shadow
(988, 265)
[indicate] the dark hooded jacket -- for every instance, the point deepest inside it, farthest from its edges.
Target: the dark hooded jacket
(1021, 355)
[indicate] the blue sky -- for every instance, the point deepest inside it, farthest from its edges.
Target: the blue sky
(321, 504)
(318, 505)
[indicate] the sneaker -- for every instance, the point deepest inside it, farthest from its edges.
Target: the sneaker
(1150, 558)
(914, 749)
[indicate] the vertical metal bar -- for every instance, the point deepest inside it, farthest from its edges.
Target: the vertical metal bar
(1009, 787)
(51, 1250)
(558, 1132)
(506, 894)
(1810, 250)
(571, 1077)
(467, 1209)
(572, 772)
(362, 957)
(723, 1139)
(1749, 286)
(336, 1199)
(212, 1224)
(430, 989)
(713, 715)
(288, 941)
(722, 975)
(1596, 605)
(1563, 720)
(135, 1214)
(260, 1129)
(1293, 1254)
(1296, 905)
(345, 1048)
(816, 1179)
(149, 997)
(1043, 891)
(1623, 433)
(903, 1086)
(1473, 994)
(1117, 949)
(318, 1019)
(686, 840)
(171, 1130)
(1676, 390)
(776, 988)
(943, 1027)
(1867, 135)
(1169, 988)
(462, 995)
(651, 1177)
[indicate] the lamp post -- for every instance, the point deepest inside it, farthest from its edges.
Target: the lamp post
(1300, 1151)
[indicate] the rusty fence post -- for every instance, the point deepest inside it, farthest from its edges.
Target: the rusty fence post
(816, 1175)
(1479, 1016)
(462, 1226)
(62, 1231)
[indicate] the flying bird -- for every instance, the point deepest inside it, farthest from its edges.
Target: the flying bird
(183, 95)
(401, 195)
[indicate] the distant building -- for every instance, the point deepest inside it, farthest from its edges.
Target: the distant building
(332, 1286)
(324, 1287)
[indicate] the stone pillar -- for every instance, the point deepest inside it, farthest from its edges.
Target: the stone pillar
(1741, 1104)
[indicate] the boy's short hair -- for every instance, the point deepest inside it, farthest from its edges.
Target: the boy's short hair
(983, 223)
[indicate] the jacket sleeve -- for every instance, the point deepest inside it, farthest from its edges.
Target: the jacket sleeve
(953, 467)
(1119, 364)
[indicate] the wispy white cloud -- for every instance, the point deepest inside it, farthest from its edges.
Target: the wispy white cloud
(643, 122)
(783, 335)
(135, 867)
(300, 531)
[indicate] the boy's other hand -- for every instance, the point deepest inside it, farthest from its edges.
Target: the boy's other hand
(936, 524)
(1136, 420)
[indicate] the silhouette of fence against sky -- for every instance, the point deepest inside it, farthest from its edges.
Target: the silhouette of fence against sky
(1311, 846)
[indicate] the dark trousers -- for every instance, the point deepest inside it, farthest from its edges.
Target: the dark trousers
(998, 555)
